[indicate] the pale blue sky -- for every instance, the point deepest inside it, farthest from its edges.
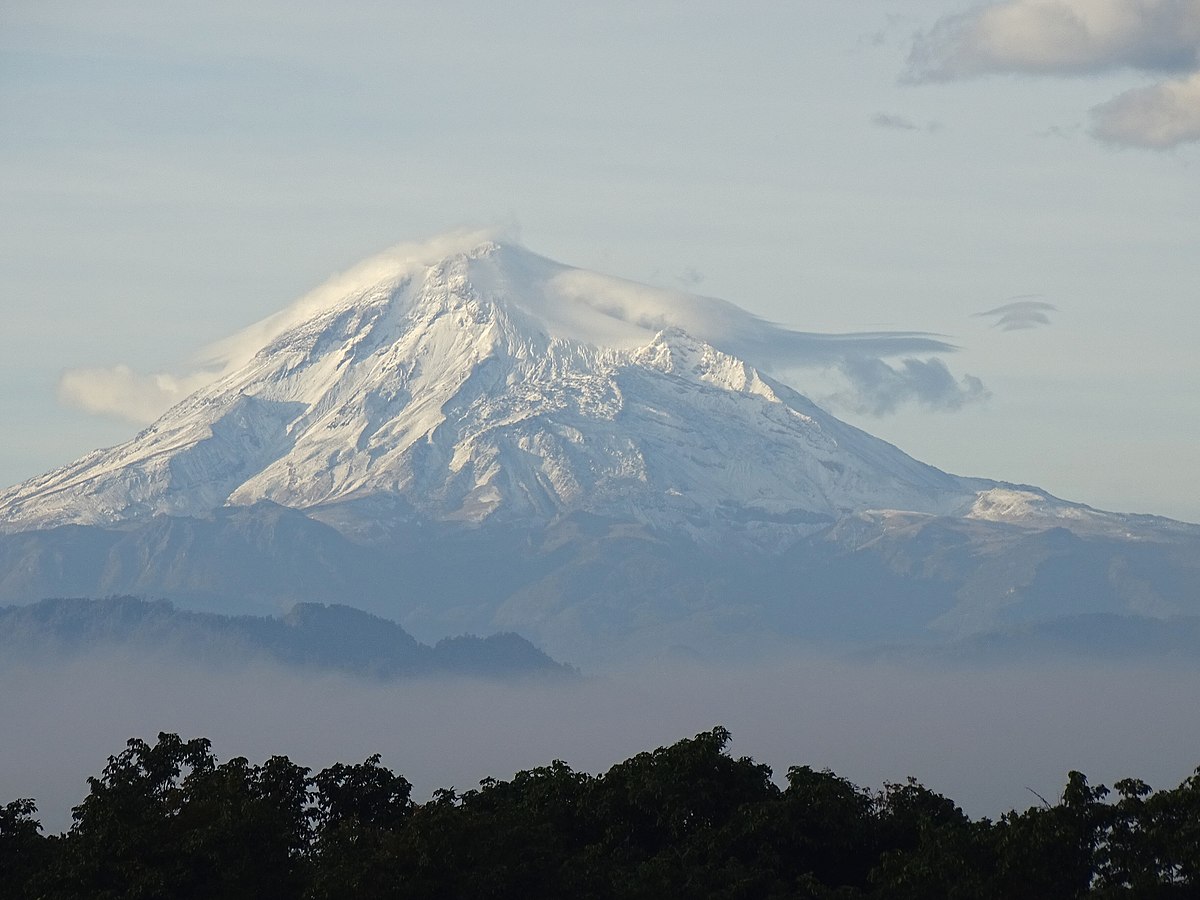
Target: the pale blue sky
(170, 172)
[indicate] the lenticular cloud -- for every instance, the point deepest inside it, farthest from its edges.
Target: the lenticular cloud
(1020, 314)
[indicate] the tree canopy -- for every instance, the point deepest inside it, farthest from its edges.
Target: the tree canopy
(689, 820)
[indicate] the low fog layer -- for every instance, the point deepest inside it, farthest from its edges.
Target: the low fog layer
(982, 736)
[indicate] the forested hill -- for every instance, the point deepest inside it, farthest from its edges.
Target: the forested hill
(685, 821)
(310, 636)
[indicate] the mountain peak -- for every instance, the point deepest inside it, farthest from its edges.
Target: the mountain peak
(477, 381)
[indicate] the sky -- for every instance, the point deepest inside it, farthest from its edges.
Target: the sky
(1019, 178)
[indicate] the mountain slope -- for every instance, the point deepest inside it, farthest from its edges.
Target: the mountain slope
(310, 636)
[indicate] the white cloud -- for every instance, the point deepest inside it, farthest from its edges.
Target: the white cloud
(1060, 37)
(1159, 116)
(121, 393)
(1081, 37)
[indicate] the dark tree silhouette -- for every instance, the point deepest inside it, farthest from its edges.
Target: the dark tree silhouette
(687, 821)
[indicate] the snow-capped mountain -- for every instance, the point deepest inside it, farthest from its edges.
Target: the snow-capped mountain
(493, 384)
(465, 436)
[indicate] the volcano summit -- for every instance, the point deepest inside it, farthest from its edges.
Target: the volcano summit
(466, 434)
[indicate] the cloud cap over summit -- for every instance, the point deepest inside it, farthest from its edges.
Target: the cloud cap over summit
(563, 301)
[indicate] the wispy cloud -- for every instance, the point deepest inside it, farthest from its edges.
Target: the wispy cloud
(1020, 314)
(887, 120)
(878, 388)
(1081, 37)
(902, 123)
(119, 392)
(871, 385)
